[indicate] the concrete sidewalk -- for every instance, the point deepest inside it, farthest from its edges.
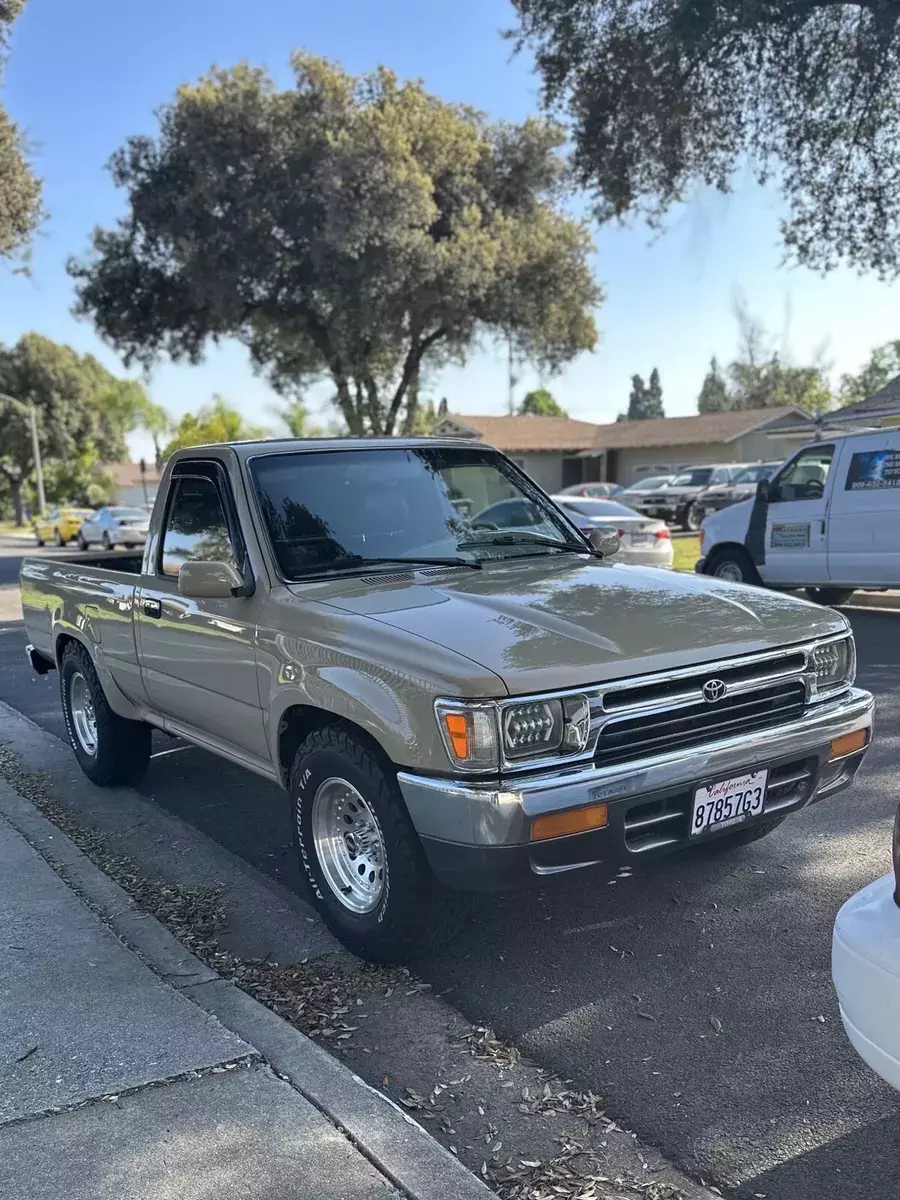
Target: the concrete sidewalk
(127, 1077)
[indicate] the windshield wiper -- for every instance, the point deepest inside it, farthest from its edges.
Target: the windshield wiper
(526, 539)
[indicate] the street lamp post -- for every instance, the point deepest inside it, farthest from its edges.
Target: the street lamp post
(38, 466)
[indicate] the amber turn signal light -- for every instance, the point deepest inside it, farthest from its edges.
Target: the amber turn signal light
(577, 820)
(458, 731)
(849, 743)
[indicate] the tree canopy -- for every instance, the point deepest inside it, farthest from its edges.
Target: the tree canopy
(644, 402)
(354, 228)
(83, 413)
(215, 422)
(883, 366)
(542, 403)
(664, 95)
(714, 392)
(20, 191)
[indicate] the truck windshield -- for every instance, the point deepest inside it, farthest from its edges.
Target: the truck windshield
(326, 509)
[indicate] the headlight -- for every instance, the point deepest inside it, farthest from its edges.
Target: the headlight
(475, 734)
(834, 664)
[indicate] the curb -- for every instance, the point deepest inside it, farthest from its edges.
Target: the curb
(387, 1136)
(885, 601)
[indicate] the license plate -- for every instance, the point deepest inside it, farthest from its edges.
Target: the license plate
(641, 538)
(728, 802)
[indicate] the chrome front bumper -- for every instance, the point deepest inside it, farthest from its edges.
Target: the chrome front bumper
(494, 814)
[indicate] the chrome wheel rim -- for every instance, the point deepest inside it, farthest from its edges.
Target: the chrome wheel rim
(84, 719)
(730, 571)
(349, 845)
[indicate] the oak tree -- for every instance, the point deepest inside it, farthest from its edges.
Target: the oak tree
(352, 228)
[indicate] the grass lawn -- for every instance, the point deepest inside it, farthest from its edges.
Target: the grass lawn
(687, 551)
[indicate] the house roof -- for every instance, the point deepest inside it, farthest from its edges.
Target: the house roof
(885, 403)
(719, 427)
(128, 474)
(522, 432)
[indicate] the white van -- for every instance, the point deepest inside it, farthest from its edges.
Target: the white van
(827, 521)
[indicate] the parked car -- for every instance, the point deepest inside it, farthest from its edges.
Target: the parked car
(742, 487)
(113, 527)
(637, 491)
(60, 525)
(865, 964)
(446, 704)
(643, 541)
(596, 490)
(676, 503)
(828, 521)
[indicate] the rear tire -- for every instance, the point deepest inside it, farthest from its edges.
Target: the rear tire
(38, 539)
(735, 566)
(58, 539)
(110, 749)
(107, 544)
(829, 595)
(360, 854)
(82, 544)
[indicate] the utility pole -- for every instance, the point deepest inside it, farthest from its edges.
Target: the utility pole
(38, 467)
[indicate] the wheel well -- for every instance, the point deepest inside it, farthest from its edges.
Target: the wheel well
(298, 722)
(61, 642)
(734, 548)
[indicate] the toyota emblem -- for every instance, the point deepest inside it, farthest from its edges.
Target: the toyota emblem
(713, 690)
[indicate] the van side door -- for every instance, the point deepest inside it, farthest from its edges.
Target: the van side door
(864, 520)
(795, 545)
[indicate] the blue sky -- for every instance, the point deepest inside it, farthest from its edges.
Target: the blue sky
(84, 76)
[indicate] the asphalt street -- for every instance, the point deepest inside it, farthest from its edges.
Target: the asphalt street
(694, 996)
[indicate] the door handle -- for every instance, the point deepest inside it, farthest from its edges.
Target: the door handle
(152, 608)
(823, 527)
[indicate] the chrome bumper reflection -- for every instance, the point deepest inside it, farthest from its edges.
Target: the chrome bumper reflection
(492, 813)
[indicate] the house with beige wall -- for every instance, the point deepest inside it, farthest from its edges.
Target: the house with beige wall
(558, 452)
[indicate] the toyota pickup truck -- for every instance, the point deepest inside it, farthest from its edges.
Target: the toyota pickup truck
(448, 705)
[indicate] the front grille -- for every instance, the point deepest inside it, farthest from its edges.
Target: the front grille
(641, 736)
(754, 671)
(655, 824)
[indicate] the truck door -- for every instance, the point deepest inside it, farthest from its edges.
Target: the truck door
(864, 517)
(198, 657)
(795, 545)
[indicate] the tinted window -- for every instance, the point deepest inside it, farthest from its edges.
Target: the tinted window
(696, 478)
(325, 508)
(721, 475)
(196, 528)
(804, 476)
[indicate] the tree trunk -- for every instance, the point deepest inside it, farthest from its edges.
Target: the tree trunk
(412, 403)
(15, 489)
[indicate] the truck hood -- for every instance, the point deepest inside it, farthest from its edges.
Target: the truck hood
(548, 623)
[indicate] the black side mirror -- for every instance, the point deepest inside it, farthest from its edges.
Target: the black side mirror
(763, 491)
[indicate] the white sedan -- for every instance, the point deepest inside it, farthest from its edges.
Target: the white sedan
(113, 527)
(643, 540)
(865, 966)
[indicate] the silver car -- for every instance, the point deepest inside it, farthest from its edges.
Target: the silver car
(113, 527)
(643, 540)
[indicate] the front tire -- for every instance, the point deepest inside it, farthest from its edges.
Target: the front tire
(691, 519)
(829, 595)
(735, 566)
(82, 543)
(58, 539)
(38, 539)
(110, 749)
(107, 543)
(359, 853)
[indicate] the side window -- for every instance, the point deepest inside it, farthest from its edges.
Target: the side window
(720, 475)
(196, 527)
(804, 476)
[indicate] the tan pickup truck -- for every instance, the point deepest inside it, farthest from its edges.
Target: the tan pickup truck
(455, 688)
